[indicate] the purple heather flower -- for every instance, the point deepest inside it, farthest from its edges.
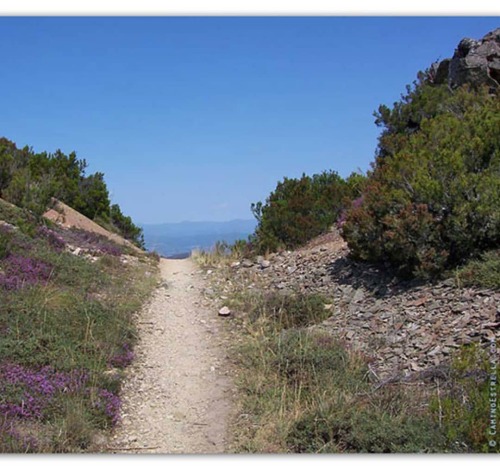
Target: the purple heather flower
(20, 271)
(110, 404)
(7, 430)
(36, 388)
(124, 358)
(54, 239)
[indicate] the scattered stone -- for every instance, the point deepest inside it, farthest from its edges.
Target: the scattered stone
(224, 311)
(403, 325)
(265, 264)
(359, 296)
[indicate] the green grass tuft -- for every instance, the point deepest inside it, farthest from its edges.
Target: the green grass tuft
(483, 272)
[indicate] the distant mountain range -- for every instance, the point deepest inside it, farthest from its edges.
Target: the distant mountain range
(176, 240)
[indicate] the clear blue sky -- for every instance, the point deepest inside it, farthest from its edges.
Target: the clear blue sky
(196, 118)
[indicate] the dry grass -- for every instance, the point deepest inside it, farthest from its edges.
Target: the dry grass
(302, 391)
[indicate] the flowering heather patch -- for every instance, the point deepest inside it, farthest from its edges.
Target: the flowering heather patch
(110, 404)
(20, 270)
(109, 249)
(26, 393)
(96, 242)
(54, 239)
(6, 229)
(124, 358)
(15, 442)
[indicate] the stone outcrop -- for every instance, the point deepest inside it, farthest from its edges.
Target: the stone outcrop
(476, 62)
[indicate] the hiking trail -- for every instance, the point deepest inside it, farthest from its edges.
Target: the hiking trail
(177, 392)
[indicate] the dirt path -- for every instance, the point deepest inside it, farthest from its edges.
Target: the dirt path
(177, 395)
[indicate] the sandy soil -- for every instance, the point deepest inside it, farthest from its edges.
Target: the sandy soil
(177, 395)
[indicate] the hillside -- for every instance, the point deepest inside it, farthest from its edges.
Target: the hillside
(416, 350)
(32, 180)
(68, 296)
(403, 326)
(365, 311)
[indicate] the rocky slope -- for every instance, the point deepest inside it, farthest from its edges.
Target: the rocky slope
(403, 327)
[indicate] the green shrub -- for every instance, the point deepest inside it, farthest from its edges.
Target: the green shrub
(300, 209)
(434, 199)
(482, 272)
(348, 427)
(464, 408)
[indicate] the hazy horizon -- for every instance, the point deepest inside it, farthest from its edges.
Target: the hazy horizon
(197, 221)
(170, 239)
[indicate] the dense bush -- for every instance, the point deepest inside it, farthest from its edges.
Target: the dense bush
(433, 199)
(300, 209)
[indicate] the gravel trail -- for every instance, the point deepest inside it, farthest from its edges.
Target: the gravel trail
(177, 393)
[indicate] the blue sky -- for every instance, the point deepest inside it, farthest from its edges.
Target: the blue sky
(195, 118)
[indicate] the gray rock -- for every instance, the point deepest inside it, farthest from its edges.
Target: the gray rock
(474, 62)
(224, 311)
(265, 264)
(359, 296)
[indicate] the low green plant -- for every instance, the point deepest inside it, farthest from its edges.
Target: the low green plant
(303, 391)
(285, 310)
(482, 272)
(468, 404)
(348, 427)
(5, 242)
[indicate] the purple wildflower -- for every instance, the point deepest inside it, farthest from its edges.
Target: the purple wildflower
(110, 404)
(9, 433)
(54, 239)
(35, 389)
(20, 271)
(124, 358)
(95, 242)
(110, 249)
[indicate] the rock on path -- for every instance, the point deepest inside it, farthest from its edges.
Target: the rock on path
(177, 394)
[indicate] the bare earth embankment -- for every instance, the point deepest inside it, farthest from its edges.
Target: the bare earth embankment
(177, 394)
